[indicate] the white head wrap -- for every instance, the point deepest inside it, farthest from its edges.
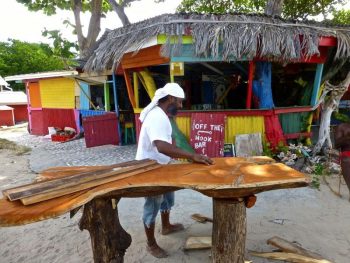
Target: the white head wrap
(172, 89)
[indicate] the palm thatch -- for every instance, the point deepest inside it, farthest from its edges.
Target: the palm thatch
(230, 37)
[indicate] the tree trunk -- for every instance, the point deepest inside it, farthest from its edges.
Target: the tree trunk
(330, 98)
(274, 7)
(229, 231)
(108, 239)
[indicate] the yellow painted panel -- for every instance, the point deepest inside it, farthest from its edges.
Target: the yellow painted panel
(184, 124)
(162, 38)
(242, 125)
(57, 93)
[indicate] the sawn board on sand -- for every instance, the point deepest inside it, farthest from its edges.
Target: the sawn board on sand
(227, 178)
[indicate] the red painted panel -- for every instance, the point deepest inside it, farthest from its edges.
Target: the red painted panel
(101, 130)
(328, 41)
(59, 118)
(292, 110)
(21, 112)
(208, 133)
(273, 130)
(6, 117)
(38, 124)
(298, 135)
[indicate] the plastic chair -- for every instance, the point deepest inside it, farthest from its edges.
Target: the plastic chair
(129, 137)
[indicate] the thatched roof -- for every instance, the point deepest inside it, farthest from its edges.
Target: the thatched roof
(241, 36)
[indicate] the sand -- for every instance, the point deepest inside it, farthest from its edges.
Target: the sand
(318, 220)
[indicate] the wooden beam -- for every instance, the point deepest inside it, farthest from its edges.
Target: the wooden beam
(129, 88)
(136, 89)
(289, 257)
(107, 97)
(250, 84)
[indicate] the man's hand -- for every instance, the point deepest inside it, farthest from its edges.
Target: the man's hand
(199, 158)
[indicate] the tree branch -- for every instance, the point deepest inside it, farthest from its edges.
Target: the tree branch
(77, 8)
(94, 23)
(119, 9)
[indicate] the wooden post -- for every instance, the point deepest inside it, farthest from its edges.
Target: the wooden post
(229, 230)
(250, 84)
(108, 239)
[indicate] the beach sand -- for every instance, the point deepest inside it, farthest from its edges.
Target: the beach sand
(318, 220)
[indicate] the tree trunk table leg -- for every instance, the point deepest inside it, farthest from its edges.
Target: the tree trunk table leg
(108, 239)
(229, 231)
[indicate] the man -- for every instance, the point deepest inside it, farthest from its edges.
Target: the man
(155, 142)
(342, 141)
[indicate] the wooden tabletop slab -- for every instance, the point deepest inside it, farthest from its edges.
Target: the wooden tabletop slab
(227, 178)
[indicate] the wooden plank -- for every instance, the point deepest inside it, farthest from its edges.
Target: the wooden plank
(47, 195)
(201, 219)
(289, 247)
(46, 186)
(289, 257)
(197, 243)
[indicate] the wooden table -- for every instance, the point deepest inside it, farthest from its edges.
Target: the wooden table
(228, 182)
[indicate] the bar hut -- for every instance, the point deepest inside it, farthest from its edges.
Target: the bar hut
(245, 73)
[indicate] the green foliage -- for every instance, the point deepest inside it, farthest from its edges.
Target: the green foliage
(62, 48)
(267, 150)
(49, 7)
(316, 178)
(341, 117)
(302, 9)
(341, 17)
(293, 9)
(221, 6)
(17, 57)
(9, 145)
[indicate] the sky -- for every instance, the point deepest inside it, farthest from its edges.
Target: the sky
(17, 22)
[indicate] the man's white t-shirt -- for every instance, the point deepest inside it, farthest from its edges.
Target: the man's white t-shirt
(156, 126)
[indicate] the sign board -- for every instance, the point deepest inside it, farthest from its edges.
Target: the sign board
(208, 133)
(248, 145)
(229, 150)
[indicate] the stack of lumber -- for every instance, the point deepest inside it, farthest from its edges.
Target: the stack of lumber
(45, 190)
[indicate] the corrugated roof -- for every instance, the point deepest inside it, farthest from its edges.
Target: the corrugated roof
(5, 108)
(41, 75)
(13, 98)
(3, 82)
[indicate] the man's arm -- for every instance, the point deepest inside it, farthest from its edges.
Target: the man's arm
(175, 152)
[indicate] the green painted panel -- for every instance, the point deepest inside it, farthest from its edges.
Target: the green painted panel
(293, 122)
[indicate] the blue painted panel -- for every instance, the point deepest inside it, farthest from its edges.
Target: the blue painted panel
(187, 55)
(84, 101)
(85, 113)
(317, 84)
(262, 85)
